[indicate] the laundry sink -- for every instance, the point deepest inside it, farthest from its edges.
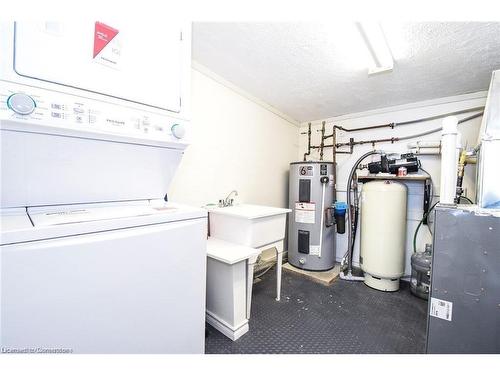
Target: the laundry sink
(248, 225)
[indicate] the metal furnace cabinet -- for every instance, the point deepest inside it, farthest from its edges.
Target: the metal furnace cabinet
(464, 304)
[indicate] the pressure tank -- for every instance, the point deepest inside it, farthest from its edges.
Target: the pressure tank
(383, 233)
(311, 231)
(421, 272)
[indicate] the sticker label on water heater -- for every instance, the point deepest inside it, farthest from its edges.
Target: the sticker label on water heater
(305, 212)
(313, 250)
(441, 309)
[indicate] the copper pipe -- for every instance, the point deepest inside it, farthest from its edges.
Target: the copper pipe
(392, 125)
(308, 143)
(322, 144)
(372, 141)
(334, 167)
(396, 139)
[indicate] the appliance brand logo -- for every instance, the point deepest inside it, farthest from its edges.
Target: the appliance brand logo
(306, 170)
(103, 34)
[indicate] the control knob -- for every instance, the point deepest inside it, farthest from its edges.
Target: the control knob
(21, 104)
(178, 131)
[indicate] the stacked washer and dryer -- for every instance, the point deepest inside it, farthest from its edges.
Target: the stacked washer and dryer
(93, 124)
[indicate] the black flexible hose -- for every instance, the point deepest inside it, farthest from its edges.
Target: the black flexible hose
(356, 217)
(352, 224)
(419, 225)
(355, 228)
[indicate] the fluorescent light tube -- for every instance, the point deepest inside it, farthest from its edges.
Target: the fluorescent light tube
(380, 55)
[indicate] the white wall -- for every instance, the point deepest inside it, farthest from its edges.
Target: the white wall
(240, 143)
(469, 132)
(237, 143)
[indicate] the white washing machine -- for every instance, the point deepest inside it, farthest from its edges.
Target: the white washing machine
(103, 279)
(94, 121)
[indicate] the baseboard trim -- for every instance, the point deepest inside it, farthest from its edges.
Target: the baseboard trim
(234, 333)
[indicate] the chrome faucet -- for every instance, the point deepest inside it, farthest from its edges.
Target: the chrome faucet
(227, 201)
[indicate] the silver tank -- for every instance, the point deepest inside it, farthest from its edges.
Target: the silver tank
(311, 233)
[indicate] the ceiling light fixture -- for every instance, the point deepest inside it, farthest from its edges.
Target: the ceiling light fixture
(380, 55)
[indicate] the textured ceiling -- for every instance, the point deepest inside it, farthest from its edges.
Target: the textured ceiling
(312, 71)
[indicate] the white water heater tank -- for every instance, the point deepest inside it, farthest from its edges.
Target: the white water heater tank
(383, 233)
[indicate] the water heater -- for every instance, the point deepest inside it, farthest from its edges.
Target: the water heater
(383, 233)
(311, 231)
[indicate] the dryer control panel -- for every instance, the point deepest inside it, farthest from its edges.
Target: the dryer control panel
(38, 109)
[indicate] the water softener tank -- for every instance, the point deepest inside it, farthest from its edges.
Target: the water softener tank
(311, 229)
(383, 233)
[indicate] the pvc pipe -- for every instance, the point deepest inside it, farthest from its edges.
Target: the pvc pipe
(425, 151)
(449, 160)
(459, 147)
(322, 220)
(424, 144)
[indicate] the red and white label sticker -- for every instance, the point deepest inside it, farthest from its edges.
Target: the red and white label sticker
(103, 34)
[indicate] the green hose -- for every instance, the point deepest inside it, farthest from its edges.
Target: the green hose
(467, 199)
(423, 218)
(419, 225)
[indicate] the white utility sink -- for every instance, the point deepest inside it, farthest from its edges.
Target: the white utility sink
(248, 225)
(259, 227)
